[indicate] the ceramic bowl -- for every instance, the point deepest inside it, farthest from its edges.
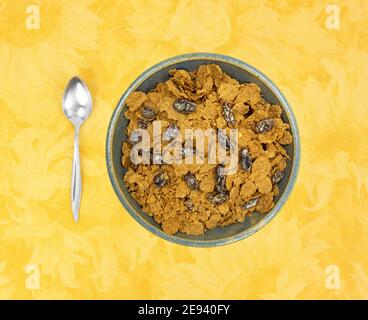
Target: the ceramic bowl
(239, 70)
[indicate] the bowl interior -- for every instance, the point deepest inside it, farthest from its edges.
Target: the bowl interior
(220, 234)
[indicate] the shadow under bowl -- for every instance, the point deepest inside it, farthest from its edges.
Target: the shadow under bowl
(116, 135)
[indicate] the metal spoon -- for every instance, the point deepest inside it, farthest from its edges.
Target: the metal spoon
(77, 106)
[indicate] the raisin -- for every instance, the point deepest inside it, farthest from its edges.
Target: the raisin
(277, 177)
(160, 179)
(250, 204)
(220, 194)
(184, 106)
(224, 140)
(191, 181)
(135, 137)
(228, 114)
(220, 186)
(245, 160)
(148, 113)
(264, 125)
(170, 133)
(217, 197)
(220, 171)
(189, 204)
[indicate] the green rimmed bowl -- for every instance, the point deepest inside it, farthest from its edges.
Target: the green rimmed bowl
(116, 135)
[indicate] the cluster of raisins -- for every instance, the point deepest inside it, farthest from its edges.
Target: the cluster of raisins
(220, 193)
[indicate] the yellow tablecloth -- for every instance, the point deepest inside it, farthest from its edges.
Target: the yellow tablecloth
(317, 55)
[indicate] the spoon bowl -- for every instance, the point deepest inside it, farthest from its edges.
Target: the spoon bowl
(77, 101)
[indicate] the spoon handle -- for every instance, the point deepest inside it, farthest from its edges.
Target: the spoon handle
(76, 178)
